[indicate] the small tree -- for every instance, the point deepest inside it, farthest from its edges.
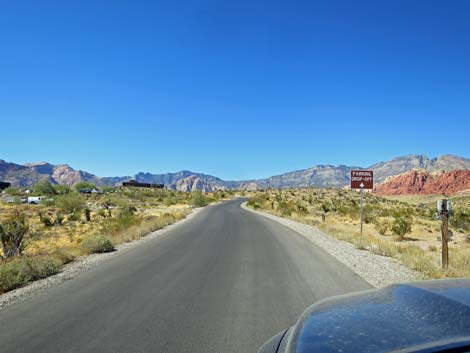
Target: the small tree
(401, 226)
(12, 233)
(44, 187)
(83, 185)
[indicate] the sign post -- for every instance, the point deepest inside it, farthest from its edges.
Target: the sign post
(362, 198)
(444, 209)
(362, 179)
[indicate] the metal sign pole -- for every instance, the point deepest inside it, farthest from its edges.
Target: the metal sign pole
(362, 190)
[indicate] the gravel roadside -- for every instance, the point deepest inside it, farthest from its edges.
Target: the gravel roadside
(378, 270)
(84, 263)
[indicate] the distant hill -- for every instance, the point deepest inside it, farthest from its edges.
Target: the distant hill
(185, 180)
(419, 181)
(30, 174)
(321, 175)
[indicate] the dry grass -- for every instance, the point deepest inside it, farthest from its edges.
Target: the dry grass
(336, 212)
(118, 217)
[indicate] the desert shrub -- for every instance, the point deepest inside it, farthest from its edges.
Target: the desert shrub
(401, 226)
(13, 191)
(74, 217)
(83, 185)
(45, 219)
(325, 207)
(169, 200)
(370, 213)
(44, 187)
(71, 203)
(12, 233)
(67, 254)
(59, 219)
(300, 209)
(96, 244)
(17, 200)
(18, 271)
(107, 189)
(62, 189)
(286, 208)
(252, 203)
(124, 219)
(382, 226)
(198, 199)
(460, 219)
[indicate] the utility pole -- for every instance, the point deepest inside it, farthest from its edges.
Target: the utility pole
(444, 213)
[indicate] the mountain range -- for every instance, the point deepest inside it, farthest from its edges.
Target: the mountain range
(320, 175)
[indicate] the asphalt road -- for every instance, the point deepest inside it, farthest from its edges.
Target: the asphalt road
(225, 281)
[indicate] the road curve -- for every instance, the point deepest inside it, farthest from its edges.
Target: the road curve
(223, 282)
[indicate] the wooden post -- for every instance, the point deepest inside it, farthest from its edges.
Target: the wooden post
(445, 235)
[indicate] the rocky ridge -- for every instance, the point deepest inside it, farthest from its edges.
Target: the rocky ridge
(419, 181)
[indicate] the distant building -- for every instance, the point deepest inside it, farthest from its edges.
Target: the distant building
(4, 185)
(141, 185)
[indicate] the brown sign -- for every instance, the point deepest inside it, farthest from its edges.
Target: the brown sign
(362, 179)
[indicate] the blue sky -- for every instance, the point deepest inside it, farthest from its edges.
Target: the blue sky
(238, 89)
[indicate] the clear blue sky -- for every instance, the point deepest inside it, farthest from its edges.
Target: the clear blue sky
(238, 89)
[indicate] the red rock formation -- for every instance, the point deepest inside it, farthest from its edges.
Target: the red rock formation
(423, 182)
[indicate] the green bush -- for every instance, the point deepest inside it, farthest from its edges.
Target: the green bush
(198, 199)
(97, 244)
(83, 185)
(62, 189)
(17, 200)
(125, 219)
(286, 208)
(300, 209)
(59, 219)
(382, 226)
(21, 270)
(71, 203)
(169, 200)
(45, 219)
(13, 191)
(401, 226)
(460, 219)
(44, 187)
(74, 217)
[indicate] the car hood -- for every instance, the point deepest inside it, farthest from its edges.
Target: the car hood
(384, 320)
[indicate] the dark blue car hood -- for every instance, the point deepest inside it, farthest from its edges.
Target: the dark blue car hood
(384, 320)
